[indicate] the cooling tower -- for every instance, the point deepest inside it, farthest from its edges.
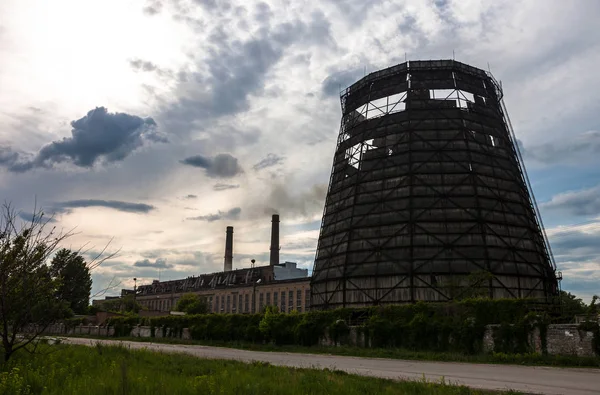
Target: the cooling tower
(428, 199)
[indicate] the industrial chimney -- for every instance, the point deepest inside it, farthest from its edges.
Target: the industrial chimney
(274, 240)
(228, 266)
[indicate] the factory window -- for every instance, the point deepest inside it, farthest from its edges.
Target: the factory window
(234, 306)
(283, 302)
(275, 299)
(247, 303)
(240, 304)
(222, 303)
(306, 299)
(260, 301)
(217, 304)
(291, 300)
(268, 298)
(299, 299)
(210, 304)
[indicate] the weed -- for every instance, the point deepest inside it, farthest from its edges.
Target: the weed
(118, 370)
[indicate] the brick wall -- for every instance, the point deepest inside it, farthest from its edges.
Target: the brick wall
(567, 339)
(562, 339)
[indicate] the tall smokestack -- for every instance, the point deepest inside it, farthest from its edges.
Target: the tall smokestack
(275, 240)
(228, 266)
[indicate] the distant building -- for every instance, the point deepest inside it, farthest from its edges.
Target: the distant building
(243, 291)
(289, 271)
(247, 290)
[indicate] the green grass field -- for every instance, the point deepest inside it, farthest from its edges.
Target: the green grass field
(393, 353)
(105, 370)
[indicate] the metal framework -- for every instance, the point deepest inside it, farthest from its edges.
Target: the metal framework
(428, 197)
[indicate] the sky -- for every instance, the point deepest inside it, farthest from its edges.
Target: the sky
(156, 124)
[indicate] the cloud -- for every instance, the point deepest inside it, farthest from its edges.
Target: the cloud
(142, 65)
(113, 204)
(338, 81)
(575, 150)
(299, 204)
(28, 217)
(223, 187)
(159, 263)
(99, 135)
(232, 214)
(221, 166)
(191, 196)
(235, 69)
(146, 66)
(153, 8)
(581, 203)
(576, 244)
(270, 160)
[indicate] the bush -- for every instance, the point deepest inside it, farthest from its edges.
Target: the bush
(457, 326)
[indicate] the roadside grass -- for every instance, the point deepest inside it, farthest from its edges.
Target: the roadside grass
(531, 359)
(65, 369)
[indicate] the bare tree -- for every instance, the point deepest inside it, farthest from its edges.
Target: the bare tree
(28, 299)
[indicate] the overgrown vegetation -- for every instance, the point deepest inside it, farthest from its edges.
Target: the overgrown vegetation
(126, 304)
(118, 370)
(443, 327)
(192, 304)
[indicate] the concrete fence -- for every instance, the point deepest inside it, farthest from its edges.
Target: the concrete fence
(561, 339)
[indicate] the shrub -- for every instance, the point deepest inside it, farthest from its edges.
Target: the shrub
(453, 326)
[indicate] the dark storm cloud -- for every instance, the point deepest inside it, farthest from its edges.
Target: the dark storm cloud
(159, 263)
(224, 187)
(220, 166)
(98, 136)
(270, 160)
(232, 214)
(583, 202)
(13, 161)
(113, 204)
(575, 150)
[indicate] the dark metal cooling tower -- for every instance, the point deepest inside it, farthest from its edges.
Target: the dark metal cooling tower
(428, 199)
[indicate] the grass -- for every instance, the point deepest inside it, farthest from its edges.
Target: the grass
(531, 359)
(63, 369)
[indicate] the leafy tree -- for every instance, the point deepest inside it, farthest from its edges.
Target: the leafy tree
(192, 304)
(73, 278)
(29, 298)
(570, 306)
(125, 304)
(28, 301)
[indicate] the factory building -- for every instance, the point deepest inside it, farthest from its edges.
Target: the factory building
(246, 290)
